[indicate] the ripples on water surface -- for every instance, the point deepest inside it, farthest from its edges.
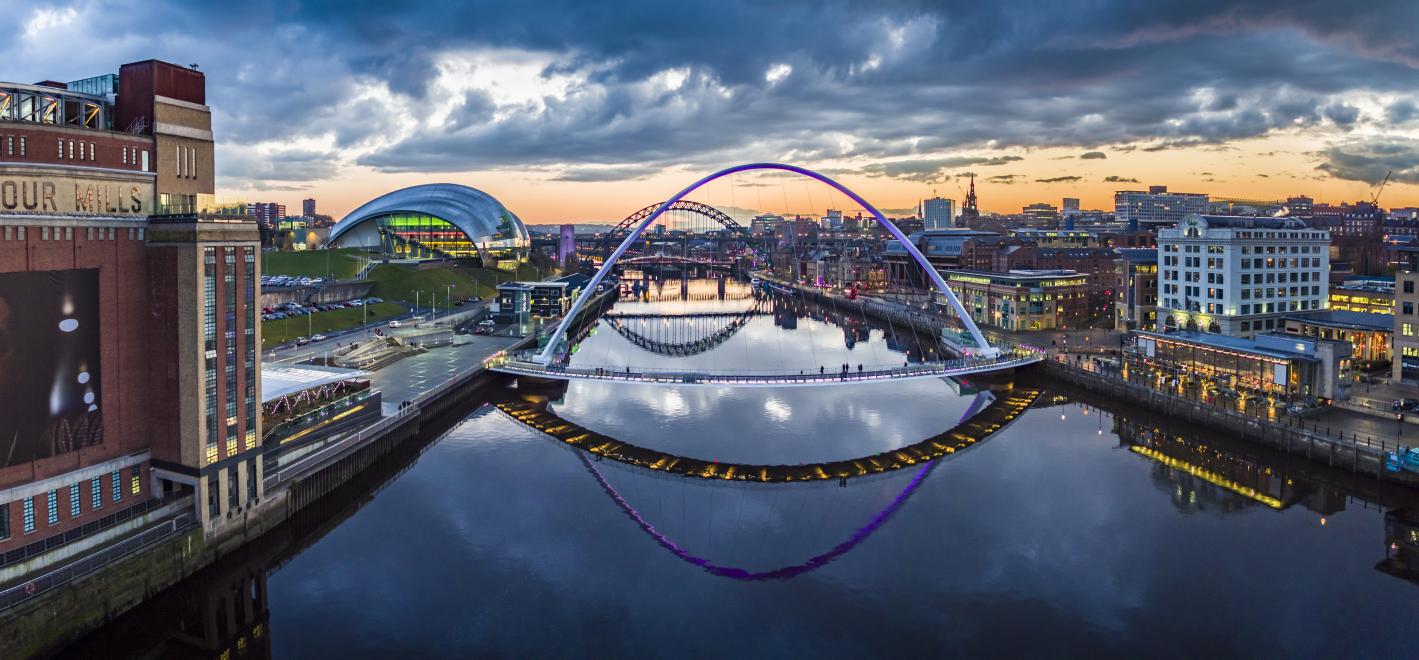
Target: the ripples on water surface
(1071, 532)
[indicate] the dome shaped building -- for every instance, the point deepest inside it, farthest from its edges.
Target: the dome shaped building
(436, 221)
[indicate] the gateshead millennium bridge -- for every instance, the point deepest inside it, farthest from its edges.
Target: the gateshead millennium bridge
(976, 354)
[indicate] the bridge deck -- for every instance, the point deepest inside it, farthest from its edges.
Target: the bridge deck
(522, 364)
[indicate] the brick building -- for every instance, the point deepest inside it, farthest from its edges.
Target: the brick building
(126, 302)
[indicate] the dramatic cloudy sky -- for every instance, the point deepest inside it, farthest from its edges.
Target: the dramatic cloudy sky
(581, 110)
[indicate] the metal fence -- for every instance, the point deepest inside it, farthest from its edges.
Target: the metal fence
(331, 452)
(94, 561)
(38, 548)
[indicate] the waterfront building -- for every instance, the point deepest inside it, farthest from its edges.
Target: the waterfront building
(1367, 332)
(1157, 206)
(1073, 238)
(1136, 289)
(1283, 367)
(939, 213)
(1023, 299)
(126, 303)
(1364, 294)
(1239, 275)
(437, 221)
(308, 207)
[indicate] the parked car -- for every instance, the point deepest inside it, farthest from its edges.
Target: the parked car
(1406, 405)
(318, 338)
(487, 323)
(302, 341)
(395, 324)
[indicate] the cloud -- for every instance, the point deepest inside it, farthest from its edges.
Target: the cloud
(1371, 159)
(564, 87)
(601, 174)
(1093, 155)
(1005, 178)
(1119, 179)
(1060, 179)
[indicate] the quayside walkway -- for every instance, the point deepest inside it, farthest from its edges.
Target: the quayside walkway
(522, 363)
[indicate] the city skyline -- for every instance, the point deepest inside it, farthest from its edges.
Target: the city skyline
(1041, 101)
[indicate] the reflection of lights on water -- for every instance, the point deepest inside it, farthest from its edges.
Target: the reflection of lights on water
(89, 397)
(1322, 521)
(68, 307)
(69, 325)
(83, 377)
(93, 408)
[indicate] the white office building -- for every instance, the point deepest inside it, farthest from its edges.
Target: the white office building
(939, 213)
(1239, 275)
(1157, 206)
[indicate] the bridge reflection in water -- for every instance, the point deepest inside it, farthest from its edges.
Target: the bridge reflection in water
(997, 415)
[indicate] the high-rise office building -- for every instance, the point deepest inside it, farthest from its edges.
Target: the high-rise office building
(1070, 206)
(308, 208)
(939, 213)
(267, 213)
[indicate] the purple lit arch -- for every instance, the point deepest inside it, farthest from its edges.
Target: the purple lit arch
(985, 348)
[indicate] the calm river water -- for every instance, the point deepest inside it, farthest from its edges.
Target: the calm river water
(1079, 530)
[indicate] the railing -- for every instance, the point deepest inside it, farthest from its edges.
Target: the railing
(63, 575)
(521, 362)
(38, 548)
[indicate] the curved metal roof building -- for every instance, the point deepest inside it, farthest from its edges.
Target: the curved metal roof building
(436, 219)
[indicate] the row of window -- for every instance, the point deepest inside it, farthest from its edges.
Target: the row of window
(1246, 249)
(1246, 309)
(67, 233)
(51, 500)
(86, 150)
(186, 162)
(16, 145)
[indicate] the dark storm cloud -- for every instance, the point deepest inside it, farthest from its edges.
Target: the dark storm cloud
(1369, 160)
(904, 79)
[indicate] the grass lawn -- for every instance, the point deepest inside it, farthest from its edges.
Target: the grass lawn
(399, 282)
(340, 263)
(284, 330)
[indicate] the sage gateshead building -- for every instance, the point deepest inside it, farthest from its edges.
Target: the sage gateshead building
(436, 221)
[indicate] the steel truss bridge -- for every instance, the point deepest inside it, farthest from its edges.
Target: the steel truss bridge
(634, 223)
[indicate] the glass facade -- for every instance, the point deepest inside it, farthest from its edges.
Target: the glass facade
(423, 236)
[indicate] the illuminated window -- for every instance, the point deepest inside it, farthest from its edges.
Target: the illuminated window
(5, 520)
(28, 514)
(117, 487)
(95, 493)
(52, 498)
(135, 478)
(74, 500)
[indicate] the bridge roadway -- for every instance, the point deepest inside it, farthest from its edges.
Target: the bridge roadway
(521, 363)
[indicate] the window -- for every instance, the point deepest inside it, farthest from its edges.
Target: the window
(61, 147)
(53, 500)
(5, 520)
(1409, 286)
(95, 494)
(10, 145)
(23, 140)
(125, 155)
(135, 478)
(74, 500)
(28, 514)
(1409, 308)
(117, 488)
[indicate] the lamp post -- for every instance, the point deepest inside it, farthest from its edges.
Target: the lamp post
(448, 300)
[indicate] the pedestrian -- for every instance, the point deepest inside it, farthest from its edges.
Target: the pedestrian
(820, 369)
(859, 367)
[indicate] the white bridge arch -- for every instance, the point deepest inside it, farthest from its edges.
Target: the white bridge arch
(984, 348)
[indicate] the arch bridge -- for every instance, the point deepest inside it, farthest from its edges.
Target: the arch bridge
(551, 361)
(635, 223)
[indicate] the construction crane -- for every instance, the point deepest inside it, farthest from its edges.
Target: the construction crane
(1376, 199)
